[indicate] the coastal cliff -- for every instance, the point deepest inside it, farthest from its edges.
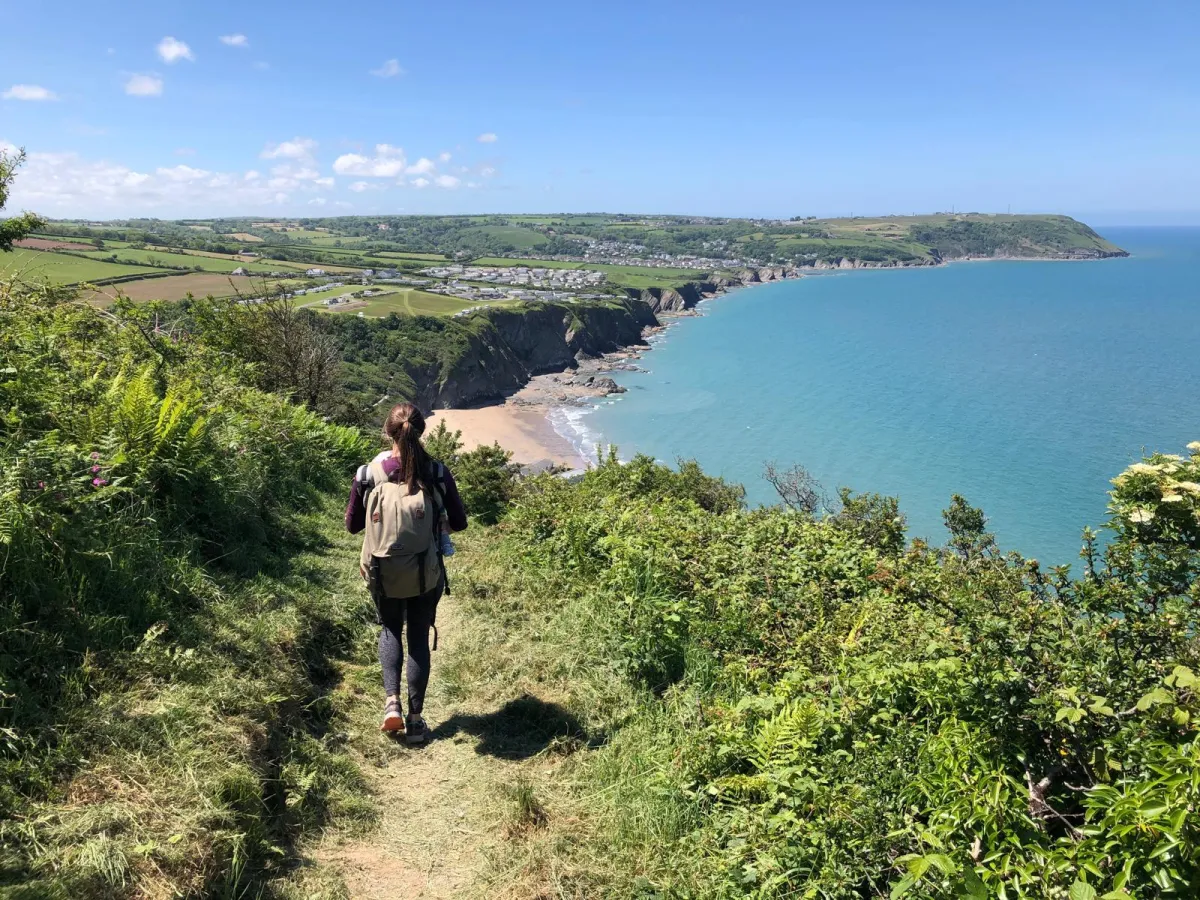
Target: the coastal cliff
(687, 295)
(452, 362)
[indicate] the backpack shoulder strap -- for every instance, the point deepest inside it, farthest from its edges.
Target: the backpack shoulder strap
(375, 475)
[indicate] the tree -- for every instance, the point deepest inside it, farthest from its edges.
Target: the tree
(19, 226)
(283, 343)
(797, 488)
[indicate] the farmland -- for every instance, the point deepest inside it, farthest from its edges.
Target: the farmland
(180, 259)
(177, 287)
(35, 243)
(60, 268)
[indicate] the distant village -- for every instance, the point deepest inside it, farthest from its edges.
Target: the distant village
(483, 283)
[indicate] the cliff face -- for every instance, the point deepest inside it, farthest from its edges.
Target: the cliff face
(686, 296)
(506, 347)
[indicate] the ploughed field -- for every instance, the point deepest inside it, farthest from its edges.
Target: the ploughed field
(177, 287)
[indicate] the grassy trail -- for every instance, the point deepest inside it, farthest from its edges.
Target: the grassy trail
(447, 810)
(435, 825)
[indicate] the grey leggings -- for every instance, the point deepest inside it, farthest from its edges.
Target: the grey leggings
(419, 613)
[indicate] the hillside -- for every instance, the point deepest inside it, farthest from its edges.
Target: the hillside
(639, 253)
(441, 362)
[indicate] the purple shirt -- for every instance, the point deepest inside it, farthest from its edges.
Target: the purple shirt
(356, 508)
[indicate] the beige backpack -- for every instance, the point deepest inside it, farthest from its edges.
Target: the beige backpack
(401, 535)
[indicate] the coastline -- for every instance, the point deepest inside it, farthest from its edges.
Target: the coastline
(524, 430)
(540, 423)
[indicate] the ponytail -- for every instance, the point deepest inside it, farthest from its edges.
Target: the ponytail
(404, 427)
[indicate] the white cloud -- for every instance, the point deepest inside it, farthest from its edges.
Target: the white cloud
(444, 157)
(343, 204)
(388, 162)
(184, 151)
(235, 40)
(488, 137)
(389, 69)
(171, 50)
(323, 182)
(446, 181)
(487, 171)
(317, 201)
(69, 185)
(299, 148)
(182, 173)
(144, 86)
(34, 92)
(422, 166)
(252, 175)
(359, 186)
(420, 182)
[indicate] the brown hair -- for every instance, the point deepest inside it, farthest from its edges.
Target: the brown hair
(404, 426)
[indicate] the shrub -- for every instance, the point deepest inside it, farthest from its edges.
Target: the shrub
(157, 705)
(872, 717)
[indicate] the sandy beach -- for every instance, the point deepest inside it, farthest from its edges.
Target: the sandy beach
(520, 424)
(523, 430)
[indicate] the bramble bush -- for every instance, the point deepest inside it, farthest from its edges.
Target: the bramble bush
(866, 716)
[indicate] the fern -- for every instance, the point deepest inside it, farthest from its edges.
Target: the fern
(780, 740)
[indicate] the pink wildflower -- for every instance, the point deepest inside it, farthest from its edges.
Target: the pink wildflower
(95, 469)
(95, 455)
(99, 482)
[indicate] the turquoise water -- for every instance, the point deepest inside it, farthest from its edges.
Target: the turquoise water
(1024, 386)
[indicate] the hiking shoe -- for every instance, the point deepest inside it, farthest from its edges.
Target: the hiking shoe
(416, 731)
(393, 719)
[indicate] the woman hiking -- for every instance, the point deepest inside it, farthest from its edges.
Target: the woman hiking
(402, 500)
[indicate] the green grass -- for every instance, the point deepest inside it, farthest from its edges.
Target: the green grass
(329, 240)
(206, 263)
(400, 254)
(522, 238)
(415, 303)
(61, 268)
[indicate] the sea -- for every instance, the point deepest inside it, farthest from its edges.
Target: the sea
(1023, 386)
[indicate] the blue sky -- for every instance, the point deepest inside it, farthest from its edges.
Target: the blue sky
(766, 108)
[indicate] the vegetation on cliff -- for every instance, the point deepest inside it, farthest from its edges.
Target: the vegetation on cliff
(791, 704)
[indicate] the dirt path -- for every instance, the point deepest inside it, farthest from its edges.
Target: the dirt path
(434, 827)
(444, 808)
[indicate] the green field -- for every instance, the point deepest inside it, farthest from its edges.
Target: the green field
(59, 268)
(406, 301)
(329, 240)
(206, 263)
(415, 303)
(522, 238)
(277, 265)
(401, 254)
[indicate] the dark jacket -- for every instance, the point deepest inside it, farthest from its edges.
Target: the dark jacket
(356, 508)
